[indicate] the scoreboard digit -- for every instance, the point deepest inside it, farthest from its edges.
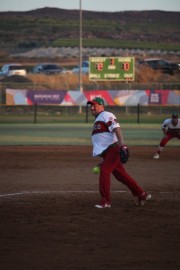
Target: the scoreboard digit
(99, 66)
(111, 69)
(112, 61)
(125, 66)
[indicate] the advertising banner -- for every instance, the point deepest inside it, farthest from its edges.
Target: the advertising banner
(77, 98)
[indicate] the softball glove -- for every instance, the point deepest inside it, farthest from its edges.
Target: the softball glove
(124, 154)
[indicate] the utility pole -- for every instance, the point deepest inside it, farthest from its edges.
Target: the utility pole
(80, 51)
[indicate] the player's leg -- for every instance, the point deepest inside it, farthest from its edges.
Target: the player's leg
(121, 175)
(162, 144)
(110, 161)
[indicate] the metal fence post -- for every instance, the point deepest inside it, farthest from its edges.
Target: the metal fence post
(35, 113)
(138, 112)
(87, 113)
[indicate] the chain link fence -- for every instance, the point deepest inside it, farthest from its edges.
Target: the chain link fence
(63, 114)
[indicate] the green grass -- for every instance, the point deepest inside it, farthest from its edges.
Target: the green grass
(145, 30)
(74, 118)
(75, 134)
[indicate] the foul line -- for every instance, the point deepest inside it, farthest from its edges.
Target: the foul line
(47, 192)
(64, 192)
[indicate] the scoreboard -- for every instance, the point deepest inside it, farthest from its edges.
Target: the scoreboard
(111, 69)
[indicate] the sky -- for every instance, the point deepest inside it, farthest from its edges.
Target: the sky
(93, 5)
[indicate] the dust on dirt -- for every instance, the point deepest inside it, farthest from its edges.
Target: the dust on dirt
(48, 219)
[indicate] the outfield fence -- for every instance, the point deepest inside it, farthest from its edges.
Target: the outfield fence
(71, 114)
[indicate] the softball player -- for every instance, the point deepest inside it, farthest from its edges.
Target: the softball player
(171, 129)
(107, 139)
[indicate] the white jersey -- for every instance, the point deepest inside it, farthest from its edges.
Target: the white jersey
(170, 127)
(102, 134)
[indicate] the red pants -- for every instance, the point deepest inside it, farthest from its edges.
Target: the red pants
(168, 137)
(111, 164)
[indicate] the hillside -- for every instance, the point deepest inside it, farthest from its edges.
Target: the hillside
(21, 31)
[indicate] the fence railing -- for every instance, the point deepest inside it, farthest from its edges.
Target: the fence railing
(70, 114)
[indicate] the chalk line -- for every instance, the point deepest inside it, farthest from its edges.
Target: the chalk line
(39, 192)
(51, 191)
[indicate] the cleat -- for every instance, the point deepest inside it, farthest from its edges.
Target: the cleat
(143, 198)
(101, 206)
(156, 156)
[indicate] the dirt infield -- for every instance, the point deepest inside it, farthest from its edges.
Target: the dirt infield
(48, 219)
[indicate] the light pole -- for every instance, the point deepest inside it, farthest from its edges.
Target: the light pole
(80, 51)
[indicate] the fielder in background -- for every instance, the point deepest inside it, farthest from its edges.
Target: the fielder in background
(107, 141)
(171, 129)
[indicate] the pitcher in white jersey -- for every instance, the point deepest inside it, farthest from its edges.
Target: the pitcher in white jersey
(171, 129)
(107, 139)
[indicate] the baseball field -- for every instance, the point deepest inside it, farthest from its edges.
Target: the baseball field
(48, 192)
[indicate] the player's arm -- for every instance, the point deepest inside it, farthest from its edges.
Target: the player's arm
(119, 135)
(123, 151)
(165, 126)
(164, 129)
(114, 127)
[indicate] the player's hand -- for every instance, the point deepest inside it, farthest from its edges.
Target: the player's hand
(124, 154)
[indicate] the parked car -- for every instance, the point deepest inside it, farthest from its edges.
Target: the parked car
(84, 68)
(47, 68)
(12, 69)
(162, 65)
